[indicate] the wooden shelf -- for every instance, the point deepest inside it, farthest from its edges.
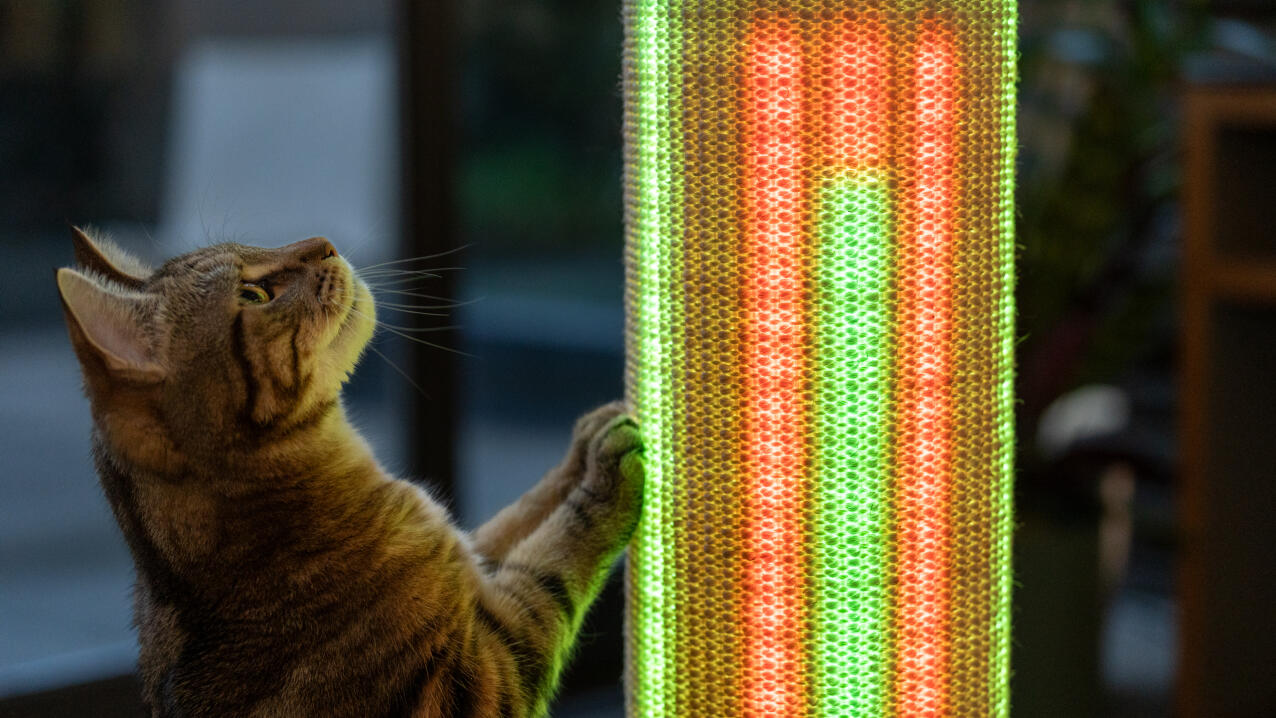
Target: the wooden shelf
(1239, 280)
(1227, 407)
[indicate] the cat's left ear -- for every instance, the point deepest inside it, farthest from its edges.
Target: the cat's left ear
(108, 327)
(104, 257)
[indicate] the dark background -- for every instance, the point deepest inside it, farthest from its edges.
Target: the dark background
(494, 125)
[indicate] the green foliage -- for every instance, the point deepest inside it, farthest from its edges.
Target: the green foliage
(541, 158)
(1098, 184)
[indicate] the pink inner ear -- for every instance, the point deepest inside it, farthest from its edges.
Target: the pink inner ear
(124, 343)
(107, 320)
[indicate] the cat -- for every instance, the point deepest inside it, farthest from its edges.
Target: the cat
(280, 570)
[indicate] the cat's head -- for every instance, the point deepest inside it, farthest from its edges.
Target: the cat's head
(216, 351)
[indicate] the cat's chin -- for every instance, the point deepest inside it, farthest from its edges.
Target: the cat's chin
(357, 327)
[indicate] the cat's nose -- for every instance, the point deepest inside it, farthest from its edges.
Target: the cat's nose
(315, 249)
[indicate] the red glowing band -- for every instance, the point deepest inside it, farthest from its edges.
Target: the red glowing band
(774, 374)
(857, 109)
(924, 455)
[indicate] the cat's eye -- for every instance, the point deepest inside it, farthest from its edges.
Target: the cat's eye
(253, 294)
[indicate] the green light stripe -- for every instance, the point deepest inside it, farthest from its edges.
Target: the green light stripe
(1003, 499)
(852, 390)
(656, 220)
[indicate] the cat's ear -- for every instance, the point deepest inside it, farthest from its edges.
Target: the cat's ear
(109, 323)
(102, 256)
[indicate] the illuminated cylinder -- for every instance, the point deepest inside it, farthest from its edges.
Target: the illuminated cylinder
(819, 214)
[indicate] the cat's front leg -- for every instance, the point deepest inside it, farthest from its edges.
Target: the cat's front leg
(534, 600)
(502, 532)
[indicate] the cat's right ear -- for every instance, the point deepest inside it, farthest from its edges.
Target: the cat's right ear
(108, 325)
(108, 260)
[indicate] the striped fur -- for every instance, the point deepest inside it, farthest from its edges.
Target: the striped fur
(280, 570)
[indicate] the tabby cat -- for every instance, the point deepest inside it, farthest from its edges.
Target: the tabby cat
(280, 570)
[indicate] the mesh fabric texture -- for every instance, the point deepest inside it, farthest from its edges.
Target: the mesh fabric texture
(819, 200)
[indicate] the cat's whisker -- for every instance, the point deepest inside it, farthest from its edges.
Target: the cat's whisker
(402, 305)
(393, 272)
(397, 282)
(390, 271)
(415, 330)
(395, 367)
(436, 255)
(430, 310)
(423, 296)
(399, 276)
(424, 342)
(403, 310)
(403, 332)
(384, 288)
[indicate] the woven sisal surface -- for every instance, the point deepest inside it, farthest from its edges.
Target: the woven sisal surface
(820, 318)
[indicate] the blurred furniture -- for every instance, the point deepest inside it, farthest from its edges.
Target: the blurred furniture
(1228, 404)
(275, 139)
(119, 697)
(427, 133)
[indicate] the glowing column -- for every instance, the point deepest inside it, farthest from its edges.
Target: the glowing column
(820, 336)
(852, 391)
(654, 216)
(924, 531)
(852, 273)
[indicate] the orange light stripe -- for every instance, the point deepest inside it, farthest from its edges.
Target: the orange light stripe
(858, 103)
(925, 451)
(773, 375)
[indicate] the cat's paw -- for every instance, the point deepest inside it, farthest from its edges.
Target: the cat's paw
(613, 471)
(588, 426)
(583, 434)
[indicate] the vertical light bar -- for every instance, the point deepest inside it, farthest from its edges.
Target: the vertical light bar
(1006, 46)
(925, 450)
(852, 353)
(774, 336)
(783, 163)
(856, 104)
(655, 207)
(852, 389)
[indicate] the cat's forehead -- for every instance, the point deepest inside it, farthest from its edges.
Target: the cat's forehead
(214, 259)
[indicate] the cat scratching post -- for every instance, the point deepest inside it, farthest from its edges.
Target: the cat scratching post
(821, 329)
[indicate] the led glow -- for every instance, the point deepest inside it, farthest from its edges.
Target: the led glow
(924, 456)
(850, 639)
(773, 374)
(856, 110)
(655, 222)
(853, 373)
(820, 334)
(1002, 492)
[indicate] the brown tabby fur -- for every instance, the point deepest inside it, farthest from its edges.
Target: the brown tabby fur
(281, 571)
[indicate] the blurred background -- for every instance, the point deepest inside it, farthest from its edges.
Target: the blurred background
(491, 131)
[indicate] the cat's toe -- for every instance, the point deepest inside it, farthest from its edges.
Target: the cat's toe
(617, 443)
(620, 436)
(614, 476)
(588, 426)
